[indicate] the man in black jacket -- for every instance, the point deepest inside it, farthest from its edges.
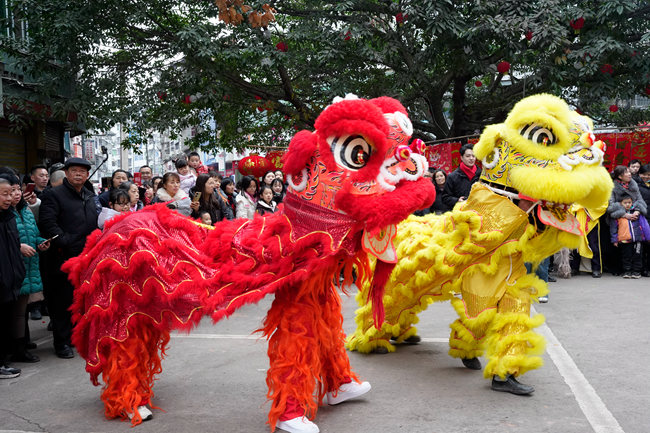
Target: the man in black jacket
(460, 181)
(12, 274)
(68, 211)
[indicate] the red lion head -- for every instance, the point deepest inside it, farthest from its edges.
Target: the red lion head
(358, 162)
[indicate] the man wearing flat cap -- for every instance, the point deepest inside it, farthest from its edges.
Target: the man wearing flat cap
(69, 212)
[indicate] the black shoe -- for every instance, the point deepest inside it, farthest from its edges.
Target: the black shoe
(30, 345)
(35, 315)
(7, 372)
(472, 363)
(413, 339)
(25, 356)
(551, 279)
(645, 274)
(65, 352)
(596, 274)
(511, 385)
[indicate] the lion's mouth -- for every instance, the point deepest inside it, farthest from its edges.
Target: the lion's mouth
(546, 212)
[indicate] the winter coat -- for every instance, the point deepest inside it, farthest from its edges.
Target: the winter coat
(12, 266)
(615, 210)
(105, 215)
(624, 230)
(217, 209)
(180, 202)
(644, 189)
(30, 235)
(438, 206)
(70, 214)
(187, 181)
(263, 208)
(458, 185)
(246, 206)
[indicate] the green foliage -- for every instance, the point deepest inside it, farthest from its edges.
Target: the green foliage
(166, 65)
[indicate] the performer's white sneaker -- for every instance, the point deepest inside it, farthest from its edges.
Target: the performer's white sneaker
(348, 391)
(145, 413)
(298, 425)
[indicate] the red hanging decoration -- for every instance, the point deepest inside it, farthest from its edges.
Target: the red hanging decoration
(647, 89)
(503, 67)
(347, 35)
(577, 24)
(400, 18)
(613, 108)
(254, 165)
(161, 95)
(478, 83)
(187, 99)
(275, 158)
(607, 69)
(282, 46)
(529, 35)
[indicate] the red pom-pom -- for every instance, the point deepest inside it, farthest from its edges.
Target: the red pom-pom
(478, 83)
(613, 108)
(282, 46)
(503, 67)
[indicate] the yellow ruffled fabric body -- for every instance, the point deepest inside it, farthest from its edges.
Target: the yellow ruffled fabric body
(473, 256)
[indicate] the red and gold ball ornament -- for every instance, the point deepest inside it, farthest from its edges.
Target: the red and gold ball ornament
(254, 165)
(478, 83)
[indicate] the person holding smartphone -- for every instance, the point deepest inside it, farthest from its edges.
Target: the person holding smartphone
(205, 200)
(31, 243)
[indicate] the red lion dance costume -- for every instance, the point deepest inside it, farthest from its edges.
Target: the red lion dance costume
(153, 271)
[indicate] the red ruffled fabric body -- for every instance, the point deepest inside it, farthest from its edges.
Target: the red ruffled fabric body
(155, 268)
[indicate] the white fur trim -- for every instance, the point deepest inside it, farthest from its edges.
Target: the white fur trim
(302, 185)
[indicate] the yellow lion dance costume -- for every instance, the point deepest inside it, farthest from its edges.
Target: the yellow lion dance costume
(537, 164)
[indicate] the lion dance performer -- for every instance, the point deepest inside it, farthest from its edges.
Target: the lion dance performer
(154, 271)
(536, 164)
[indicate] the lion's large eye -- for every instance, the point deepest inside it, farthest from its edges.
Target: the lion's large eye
(350, 151)
(538, 134)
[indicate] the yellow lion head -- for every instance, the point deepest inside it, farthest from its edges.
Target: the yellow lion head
(546, 153)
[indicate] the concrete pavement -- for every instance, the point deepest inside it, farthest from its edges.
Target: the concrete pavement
(595, 377)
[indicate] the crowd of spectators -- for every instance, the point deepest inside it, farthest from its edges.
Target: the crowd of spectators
(47, 214)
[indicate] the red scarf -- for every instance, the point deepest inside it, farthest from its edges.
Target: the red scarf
(469, 171)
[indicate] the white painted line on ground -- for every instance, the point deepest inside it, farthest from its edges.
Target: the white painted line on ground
(600, 418)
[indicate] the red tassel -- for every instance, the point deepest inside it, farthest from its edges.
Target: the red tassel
(376, 295)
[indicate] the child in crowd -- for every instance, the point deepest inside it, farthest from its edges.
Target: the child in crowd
(205, 217)
(266, 205)
(119, 202)
(195, 163)
(187, 178)
(279, 190)
(171, 191)
(627, 234)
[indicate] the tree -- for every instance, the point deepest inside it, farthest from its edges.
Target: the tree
(262, 72)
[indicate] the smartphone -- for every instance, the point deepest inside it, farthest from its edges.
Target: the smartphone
(29, 188)
(197, 196)
(51, 239)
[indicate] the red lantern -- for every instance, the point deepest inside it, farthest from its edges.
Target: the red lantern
(275, 158)
(254, 165)
(613, 108)
(282, 46)
(577, 24)
(478, 83)
(503, 67)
